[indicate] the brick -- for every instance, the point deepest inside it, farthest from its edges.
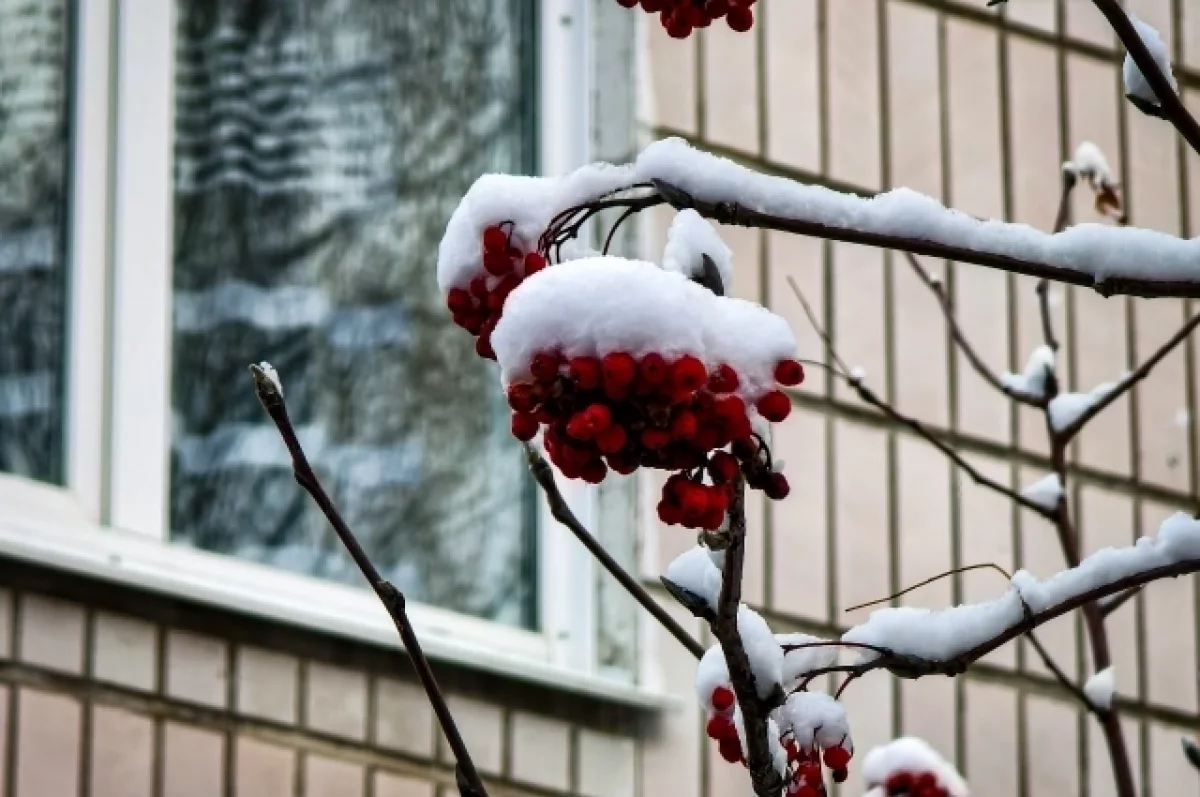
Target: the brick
(606, 765)
(328, 777)
(403, 717)
(264, 770)
(197, 668)
(48, 745)
(541, 751)
(389, 785)
(336, 701)
(193, 762)
(266, 684)
(125, 651)
(122, 762)
(482, 727)
(51, 633)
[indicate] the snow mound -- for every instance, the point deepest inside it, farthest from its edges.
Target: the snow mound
(1100, 689)
(1135, 82)
(596, 306)
(1032, 380)
(915, 756)
(1045, 492)
(1089, 163)
(798, 663)
(695, 571)
(1066, 408)
(689, 238)
(816, 720)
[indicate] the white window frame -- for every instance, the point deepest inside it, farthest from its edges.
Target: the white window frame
(110, 521)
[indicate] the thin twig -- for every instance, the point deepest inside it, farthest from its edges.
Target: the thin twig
(271, 396)
(943, 299)
(1141, 372)
(1109, 606)
(1169, 103)
(867, 395)
(938, 577)
(1069, 181)
(561, 511)
(1059, 675)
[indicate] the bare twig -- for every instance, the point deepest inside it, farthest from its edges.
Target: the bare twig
(271, 397)
(867, 395)
(938, 577)
(1169, 103)
(1109, 606)
(561, 511)
(943, 299)
(1141, 372)
(1069, 180)
(1059, 675)
(767, 782)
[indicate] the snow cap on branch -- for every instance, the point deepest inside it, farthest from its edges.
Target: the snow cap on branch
(1032, 380)
(696, 571)
(945, 634)
(1090, 164)
(1136, 84)
(798, 663)
(1046, 492)
(764, 653)
(595, 306)
(914, 756)
(1100, 689)
(689, 238)
(1066, 408)
(816, 720)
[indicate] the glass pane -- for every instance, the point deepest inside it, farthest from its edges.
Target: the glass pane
(321, 146)
(33, 194)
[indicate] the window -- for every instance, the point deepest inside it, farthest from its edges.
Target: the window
(319, 149)
(33, 274)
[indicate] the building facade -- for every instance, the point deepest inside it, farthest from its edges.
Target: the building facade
(188, 187)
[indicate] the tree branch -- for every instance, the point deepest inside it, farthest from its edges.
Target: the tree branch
(1058, 673)
(270, 395)
(1069, 180)
(943, 299)
(1067, 432)
(1109, 606)
(544, 476)
(1169, 102)
(767, 782)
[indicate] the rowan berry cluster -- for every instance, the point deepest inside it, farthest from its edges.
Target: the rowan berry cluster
(914, 784)
(477, 308)
(619, 412)
(720, 726)
(805, 774)
(681, 17)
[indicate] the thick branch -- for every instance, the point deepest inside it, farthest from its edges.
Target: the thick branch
(1169, 102)
(767, 782)
(1067, 432)
(561, 511)
(271, 397)
(938, 288)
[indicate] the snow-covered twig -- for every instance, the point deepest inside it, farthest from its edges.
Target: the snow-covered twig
(938, 289)
(868, 396)
(1170, 105)
(561, 511)
(269, 390)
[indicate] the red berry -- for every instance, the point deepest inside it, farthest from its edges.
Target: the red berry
(717, 8)
(712, 519)
(777, 487)
(722, 698)
(545, 366)
(840, 774)
(810, 771)
(740, 19)
(627, 3)
(694, 503)
(497, 262)
(534, 263)
(688, 374)
(670, 514)
(715, 728)
(901, 781)
(789, 373)
(594, 472)
(586, 372)
(723, 380)
(678, 27)
(774, 406)
(599, 417)
(520, 397)
(653, 369)
(459, 300)
(524, 426)
(611, 440)
(836, 757)
(495, 239)
(623, 463)
(655, 439)
(684, 426)
(579, 428)
(722, 466)
(926, 780)
(807, 790)
(731, 750)
(619, 370)
(479, 288)
(483, 347)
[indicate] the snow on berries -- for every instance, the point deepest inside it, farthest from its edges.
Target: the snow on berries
(627, 365)
(910, 767)
(680, 17)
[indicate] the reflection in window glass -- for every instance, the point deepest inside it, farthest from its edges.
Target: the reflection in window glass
(320, 147)
(33, 195)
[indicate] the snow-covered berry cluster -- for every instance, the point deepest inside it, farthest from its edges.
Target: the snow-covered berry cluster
(805, 774)
(910, 767)
(622, 412)
(681, 17)
(914, 784)
(503, 266)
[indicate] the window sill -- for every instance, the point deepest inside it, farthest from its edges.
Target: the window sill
(44, 526)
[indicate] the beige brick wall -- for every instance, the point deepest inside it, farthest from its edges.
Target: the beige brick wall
(110, 693)
(977, 109)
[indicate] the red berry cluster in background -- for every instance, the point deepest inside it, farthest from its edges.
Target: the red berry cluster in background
(477, 308)
(913, 784)
(805, 775)
(681, 17)
(620, 412)
(721, 728)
